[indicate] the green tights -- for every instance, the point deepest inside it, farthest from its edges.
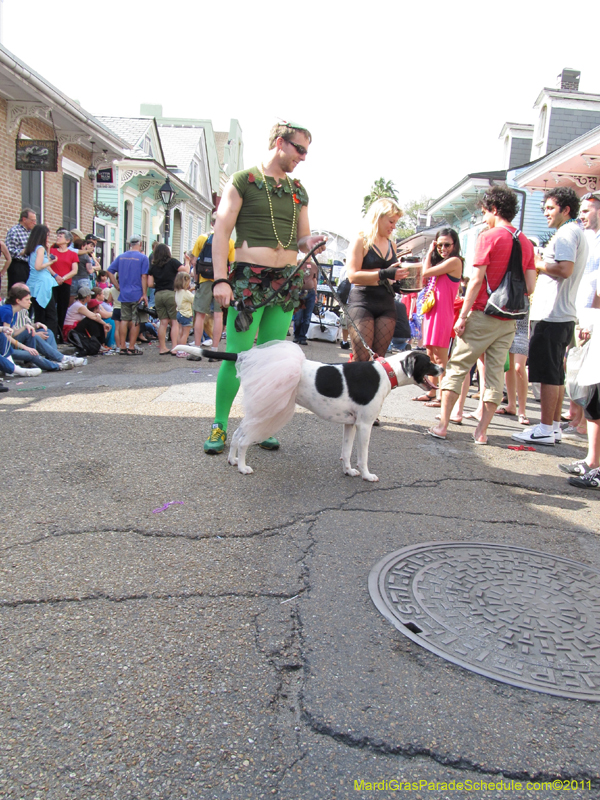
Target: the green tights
(272, 323)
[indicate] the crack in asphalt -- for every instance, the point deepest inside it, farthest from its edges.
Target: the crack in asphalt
(147, 596)
(463, 764)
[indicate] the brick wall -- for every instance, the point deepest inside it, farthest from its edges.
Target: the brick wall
(10, 179)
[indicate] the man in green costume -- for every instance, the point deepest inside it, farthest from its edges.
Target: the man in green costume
(269, 211)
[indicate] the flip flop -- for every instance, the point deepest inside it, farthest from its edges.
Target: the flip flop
(453, 421)
(166, 353)
(523, 420)
(423, 398)
(504, 412)
(135, 352)
(479, 443)
(435, 435)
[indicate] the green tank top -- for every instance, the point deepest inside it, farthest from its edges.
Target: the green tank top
(254, 224)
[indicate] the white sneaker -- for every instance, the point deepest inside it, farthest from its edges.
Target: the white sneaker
(27, 373)
(64, 364)
(558, 435)
(534, 435)
(77, 362)
(206, 343)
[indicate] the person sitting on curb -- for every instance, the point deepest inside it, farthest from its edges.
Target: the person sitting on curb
(26, 346)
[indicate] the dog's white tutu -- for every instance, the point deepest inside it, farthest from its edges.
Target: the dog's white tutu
(269, 375)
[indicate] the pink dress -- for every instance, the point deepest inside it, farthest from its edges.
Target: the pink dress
(437, 324)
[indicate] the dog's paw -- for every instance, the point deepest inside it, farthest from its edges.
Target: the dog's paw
(354, 473)
(369, 476)
(245, 470)
(233, 461)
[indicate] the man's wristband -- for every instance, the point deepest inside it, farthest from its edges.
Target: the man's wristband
(221, 280)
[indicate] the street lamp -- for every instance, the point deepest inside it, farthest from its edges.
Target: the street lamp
(167, 193)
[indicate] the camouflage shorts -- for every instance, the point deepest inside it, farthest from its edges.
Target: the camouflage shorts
(253, 284)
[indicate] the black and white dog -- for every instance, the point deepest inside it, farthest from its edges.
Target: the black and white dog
(277, 375)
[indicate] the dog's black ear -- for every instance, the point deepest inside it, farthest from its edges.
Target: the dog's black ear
(409, 363)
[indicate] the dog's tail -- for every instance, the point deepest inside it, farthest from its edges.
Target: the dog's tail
(197, 351)
(269, 375)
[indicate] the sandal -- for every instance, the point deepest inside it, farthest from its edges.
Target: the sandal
(523, 420)
(135, 351)
(424, 398)
(123, 351)
(504, 412)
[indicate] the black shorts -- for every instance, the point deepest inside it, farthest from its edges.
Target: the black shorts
(592, 410)
(374, 299)
(547, 348)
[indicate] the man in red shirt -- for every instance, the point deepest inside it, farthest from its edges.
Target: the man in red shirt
(479, 333)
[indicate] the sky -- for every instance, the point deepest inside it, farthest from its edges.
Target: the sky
(416, 95)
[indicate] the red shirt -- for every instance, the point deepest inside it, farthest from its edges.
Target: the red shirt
(493, 251)
(65, 262)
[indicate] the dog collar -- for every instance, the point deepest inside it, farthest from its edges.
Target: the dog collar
(390, 372)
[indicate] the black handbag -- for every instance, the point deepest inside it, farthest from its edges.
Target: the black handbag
(510, 300)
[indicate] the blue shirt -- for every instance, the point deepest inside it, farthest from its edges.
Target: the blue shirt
(130, 267)
(6, 315)
(40, 281)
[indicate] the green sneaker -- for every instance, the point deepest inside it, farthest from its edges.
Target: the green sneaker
(216, 441)
(270, 444)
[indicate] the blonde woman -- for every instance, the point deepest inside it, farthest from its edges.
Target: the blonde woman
(372, 268)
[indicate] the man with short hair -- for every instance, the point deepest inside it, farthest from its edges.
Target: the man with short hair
(270, 214)
(553, 313)
(16, 239)
(477, 332)
(130, 276)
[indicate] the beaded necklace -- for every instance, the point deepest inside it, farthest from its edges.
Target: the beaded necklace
(279, 242)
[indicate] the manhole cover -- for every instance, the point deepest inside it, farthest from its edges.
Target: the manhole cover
(516, 615)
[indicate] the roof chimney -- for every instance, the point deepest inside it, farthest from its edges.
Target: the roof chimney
(568, 80)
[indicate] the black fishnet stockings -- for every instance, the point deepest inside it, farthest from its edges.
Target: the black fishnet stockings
(377, 333)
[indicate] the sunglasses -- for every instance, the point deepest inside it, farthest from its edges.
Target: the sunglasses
(591, 196)
(444, 244)
(302, 151)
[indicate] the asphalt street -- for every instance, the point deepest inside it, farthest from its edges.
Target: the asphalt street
(173, 629)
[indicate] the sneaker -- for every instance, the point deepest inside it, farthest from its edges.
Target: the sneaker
(558, 435)
(206, 343)
(76, 361)
(216, 441)
(571, 432)
(345, 345)
(575, 468)
(64, 364)
(534, 435)
(270, 444)
(590, 480)
(27, 373)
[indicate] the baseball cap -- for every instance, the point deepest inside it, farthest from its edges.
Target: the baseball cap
(135, 239)
(93, 304)
(91, 237)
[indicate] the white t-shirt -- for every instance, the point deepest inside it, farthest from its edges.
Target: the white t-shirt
(554, 298)
(588, 286)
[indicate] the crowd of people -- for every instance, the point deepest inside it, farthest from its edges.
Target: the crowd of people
(255, 287)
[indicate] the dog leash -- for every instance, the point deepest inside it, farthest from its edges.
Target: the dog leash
(347, 314)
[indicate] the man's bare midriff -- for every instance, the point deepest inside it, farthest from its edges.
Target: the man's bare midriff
(265, 256)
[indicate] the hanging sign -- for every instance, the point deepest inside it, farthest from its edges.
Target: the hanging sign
(40, 155)
(104, 178)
